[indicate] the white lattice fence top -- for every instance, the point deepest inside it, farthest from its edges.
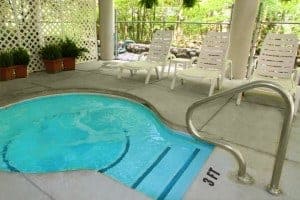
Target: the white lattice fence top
(34, 23)
(8, 26)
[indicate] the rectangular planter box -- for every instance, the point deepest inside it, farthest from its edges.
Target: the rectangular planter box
(21, 71)
(53, 66)
(69, 63)
(7, 73)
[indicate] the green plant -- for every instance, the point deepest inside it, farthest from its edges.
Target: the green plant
(51, 52)
(6, 59)
(20, 56)
(70, 49)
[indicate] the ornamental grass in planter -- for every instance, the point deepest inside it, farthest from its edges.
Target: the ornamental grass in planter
(52, 58)
(21, 59)
(7, 71)
(70, 52)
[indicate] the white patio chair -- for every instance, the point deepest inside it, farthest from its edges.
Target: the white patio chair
(211, 63)
(276, 63)
(157, 56)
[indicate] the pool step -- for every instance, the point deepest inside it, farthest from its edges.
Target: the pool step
(167, 175)
(190, 173)
(136, 162)
(149, 169)
(168, 172)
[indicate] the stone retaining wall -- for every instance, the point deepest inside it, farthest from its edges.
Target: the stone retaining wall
(178, 52)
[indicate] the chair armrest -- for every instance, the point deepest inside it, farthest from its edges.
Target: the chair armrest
(194, 60)
(170, 56)
(251, 69)
(144, 54)
(296, 75)
(228, 66)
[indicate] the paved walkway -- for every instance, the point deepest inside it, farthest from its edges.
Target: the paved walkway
(253, 127)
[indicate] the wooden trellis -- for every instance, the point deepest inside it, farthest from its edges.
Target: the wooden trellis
(33, 23)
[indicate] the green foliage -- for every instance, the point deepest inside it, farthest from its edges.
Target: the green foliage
(279, 11)
(207, 11)
(276, 10)
(6, 59)
(170, 11)
(20, 56)
(69, 48)
(51, 52)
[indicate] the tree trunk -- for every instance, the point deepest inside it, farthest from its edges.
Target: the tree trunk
(138, 26)
(143, 23)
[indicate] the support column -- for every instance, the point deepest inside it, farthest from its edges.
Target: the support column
(106, 29)
(242, 27)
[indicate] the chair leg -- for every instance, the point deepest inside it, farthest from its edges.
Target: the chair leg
(239, 99)
(212, 86)
(219, 83)
(148, 76)
(120, 73)
(157, 73)
(297, 101)
(173, 82)
(131, 72)
(169, 68)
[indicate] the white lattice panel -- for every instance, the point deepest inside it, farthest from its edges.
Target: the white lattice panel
(33, 23)
(8, 26)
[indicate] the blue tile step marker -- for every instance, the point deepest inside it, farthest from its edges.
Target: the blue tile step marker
(149, 169)
(160, 172)
(134, 159)
(162, 179)
(188, 176)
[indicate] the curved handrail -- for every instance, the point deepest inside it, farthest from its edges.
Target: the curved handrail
(273, 187)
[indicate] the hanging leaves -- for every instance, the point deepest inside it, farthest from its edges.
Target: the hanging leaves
(188, 3)
(148, 3)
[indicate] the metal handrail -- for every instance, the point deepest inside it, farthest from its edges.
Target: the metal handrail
(243, 177)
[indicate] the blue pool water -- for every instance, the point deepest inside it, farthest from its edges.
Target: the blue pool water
(118, 137)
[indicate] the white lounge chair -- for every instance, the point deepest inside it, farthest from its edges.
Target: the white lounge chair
(276, 63)
(211, 63)
(157, 56)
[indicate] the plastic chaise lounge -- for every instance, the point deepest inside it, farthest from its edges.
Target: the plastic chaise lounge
(211, 63)
(157, 56)
(276, 63)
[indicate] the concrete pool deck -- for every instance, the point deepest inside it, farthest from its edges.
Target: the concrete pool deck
(253, 127)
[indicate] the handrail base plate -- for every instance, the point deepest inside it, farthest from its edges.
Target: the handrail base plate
(273, 190)
(246, 179)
